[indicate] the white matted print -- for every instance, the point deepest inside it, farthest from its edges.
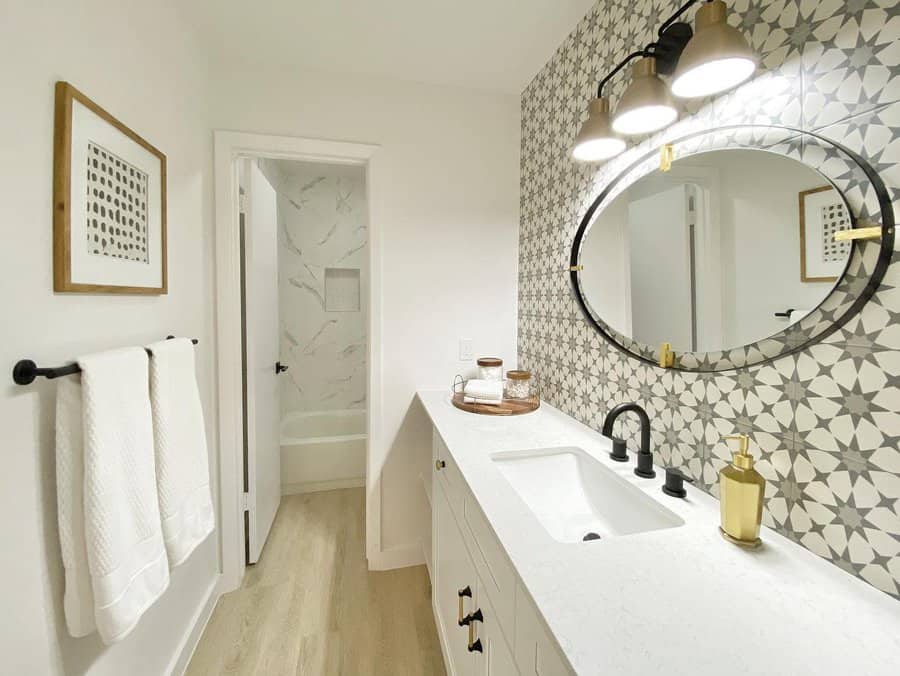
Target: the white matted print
(823, 213)
(110, 195)
(116, 214)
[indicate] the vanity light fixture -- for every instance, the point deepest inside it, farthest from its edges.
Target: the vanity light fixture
(716, 59)
(596, 141)
(646, 106)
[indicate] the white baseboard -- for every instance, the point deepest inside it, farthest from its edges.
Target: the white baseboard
(190, 640)
(398, 557)
(317, 486)
(426, 554)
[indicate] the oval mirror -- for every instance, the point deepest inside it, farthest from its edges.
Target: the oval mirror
(723, 256)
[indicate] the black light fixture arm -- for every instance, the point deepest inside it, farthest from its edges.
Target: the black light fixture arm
(681, 10)
(673, 36)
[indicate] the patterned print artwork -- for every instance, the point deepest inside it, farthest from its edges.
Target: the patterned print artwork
(116, 207)
(824, 422)
(834, 219)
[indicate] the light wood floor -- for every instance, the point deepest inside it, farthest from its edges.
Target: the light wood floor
(311, 607)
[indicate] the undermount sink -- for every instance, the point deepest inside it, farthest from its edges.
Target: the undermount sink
(576, 498)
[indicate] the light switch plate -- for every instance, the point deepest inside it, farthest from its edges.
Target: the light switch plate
(466, 352)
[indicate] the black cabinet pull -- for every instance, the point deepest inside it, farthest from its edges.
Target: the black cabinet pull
(280, 368)
(474, 645)
(462, 593)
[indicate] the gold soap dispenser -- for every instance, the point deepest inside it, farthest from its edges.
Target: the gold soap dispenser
(741, 497)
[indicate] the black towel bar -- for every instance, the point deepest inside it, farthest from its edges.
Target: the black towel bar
(25, 370)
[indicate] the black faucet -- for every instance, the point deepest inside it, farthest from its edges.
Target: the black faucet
(644, 457)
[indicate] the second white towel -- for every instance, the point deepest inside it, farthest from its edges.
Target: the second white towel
(182, 464)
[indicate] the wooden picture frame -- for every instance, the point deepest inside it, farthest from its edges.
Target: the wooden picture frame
(109, 235)
(811, 234)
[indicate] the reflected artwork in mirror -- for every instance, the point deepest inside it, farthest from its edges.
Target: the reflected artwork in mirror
(732, 256)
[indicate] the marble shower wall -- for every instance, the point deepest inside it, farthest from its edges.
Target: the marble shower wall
(322, 224)
(825, 422)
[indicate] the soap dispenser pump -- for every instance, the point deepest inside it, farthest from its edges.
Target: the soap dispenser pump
(741, 497)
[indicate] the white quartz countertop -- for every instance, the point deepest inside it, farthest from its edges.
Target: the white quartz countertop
(674, 601)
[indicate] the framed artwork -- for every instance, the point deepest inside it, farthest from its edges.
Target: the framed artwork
(109, 203)
(822, 214)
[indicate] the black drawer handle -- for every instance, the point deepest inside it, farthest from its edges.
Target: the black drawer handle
(462, 593)
(474, 645)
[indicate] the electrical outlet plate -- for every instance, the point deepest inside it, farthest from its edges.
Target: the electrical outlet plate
(466, 352)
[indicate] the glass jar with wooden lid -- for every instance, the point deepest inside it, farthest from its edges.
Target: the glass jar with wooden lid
(490, 368)
(518, 384)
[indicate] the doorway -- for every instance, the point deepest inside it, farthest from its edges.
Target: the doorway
(298, 303)
(304, 273)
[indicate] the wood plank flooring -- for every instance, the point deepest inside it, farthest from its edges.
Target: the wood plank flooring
(311, 607)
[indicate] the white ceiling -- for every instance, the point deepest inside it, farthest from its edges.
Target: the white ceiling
(495, 45)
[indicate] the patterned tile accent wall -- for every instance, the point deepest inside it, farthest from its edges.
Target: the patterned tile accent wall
(825, 422)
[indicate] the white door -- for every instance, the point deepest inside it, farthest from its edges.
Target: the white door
(662, 293)
(263, 465)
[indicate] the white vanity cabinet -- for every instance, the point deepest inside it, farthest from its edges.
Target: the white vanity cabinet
(471, 573)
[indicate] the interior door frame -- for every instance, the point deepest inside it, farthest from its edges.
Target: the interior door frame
(229, 147)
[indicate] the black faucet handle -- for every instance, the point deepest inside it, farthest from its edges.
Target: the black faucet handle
(674, 485)
(619, 452)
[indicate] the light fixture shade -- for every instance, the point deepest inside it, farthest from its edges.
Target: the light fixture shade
(597, 141)
(646, 106)
(717, 57)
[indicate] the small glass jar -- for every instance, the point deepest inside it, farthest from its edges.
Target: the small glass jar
(518, 384)
(490, 368)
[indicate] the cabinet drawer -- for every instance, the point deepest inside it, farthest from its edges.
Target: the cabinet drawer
(496, 658)
(494, 569)
(535, 649)
(446, 470)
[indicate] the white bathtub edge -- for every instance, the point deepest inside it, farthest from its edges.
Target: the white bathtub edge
(319, 486)
(305, 441)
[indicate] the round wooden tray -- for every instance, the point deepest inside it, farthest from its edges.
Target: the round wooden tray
(508, 407)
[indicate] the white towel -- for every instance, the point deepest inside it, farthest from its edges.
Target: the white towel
(78, 599)
(182, 465)
(487, 402)
(123, 536)
(484, 389)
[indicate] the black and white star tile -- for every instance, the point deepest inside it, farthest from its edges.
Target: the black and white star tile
(825, 422)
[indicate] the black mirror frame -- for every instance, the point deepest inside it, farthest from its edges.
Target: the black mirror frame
(647, 354)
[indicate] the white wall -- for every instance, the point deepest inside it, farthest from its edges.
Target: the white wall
(606, 278)
(448, 191)
(760, 227)
(137, 61)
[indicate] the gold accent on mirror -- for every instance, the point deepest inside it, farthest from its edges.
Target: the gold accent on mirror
(666, 356)
(666, 157)
(575, 268)
(869, 232)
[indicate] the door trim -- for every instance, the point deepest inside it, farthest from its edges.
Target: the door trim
(229, 146)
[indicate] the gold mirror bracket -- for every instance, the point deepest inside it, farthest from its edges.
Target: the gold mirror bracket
(867, 231)
(666, 157)
(666, 356)
(575, 268)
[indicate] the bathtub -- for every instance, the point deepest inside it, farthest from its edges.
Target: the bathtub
(323, 450)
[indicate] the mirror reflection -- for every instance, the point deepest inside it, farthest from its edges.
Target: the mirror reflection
(727, 248)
